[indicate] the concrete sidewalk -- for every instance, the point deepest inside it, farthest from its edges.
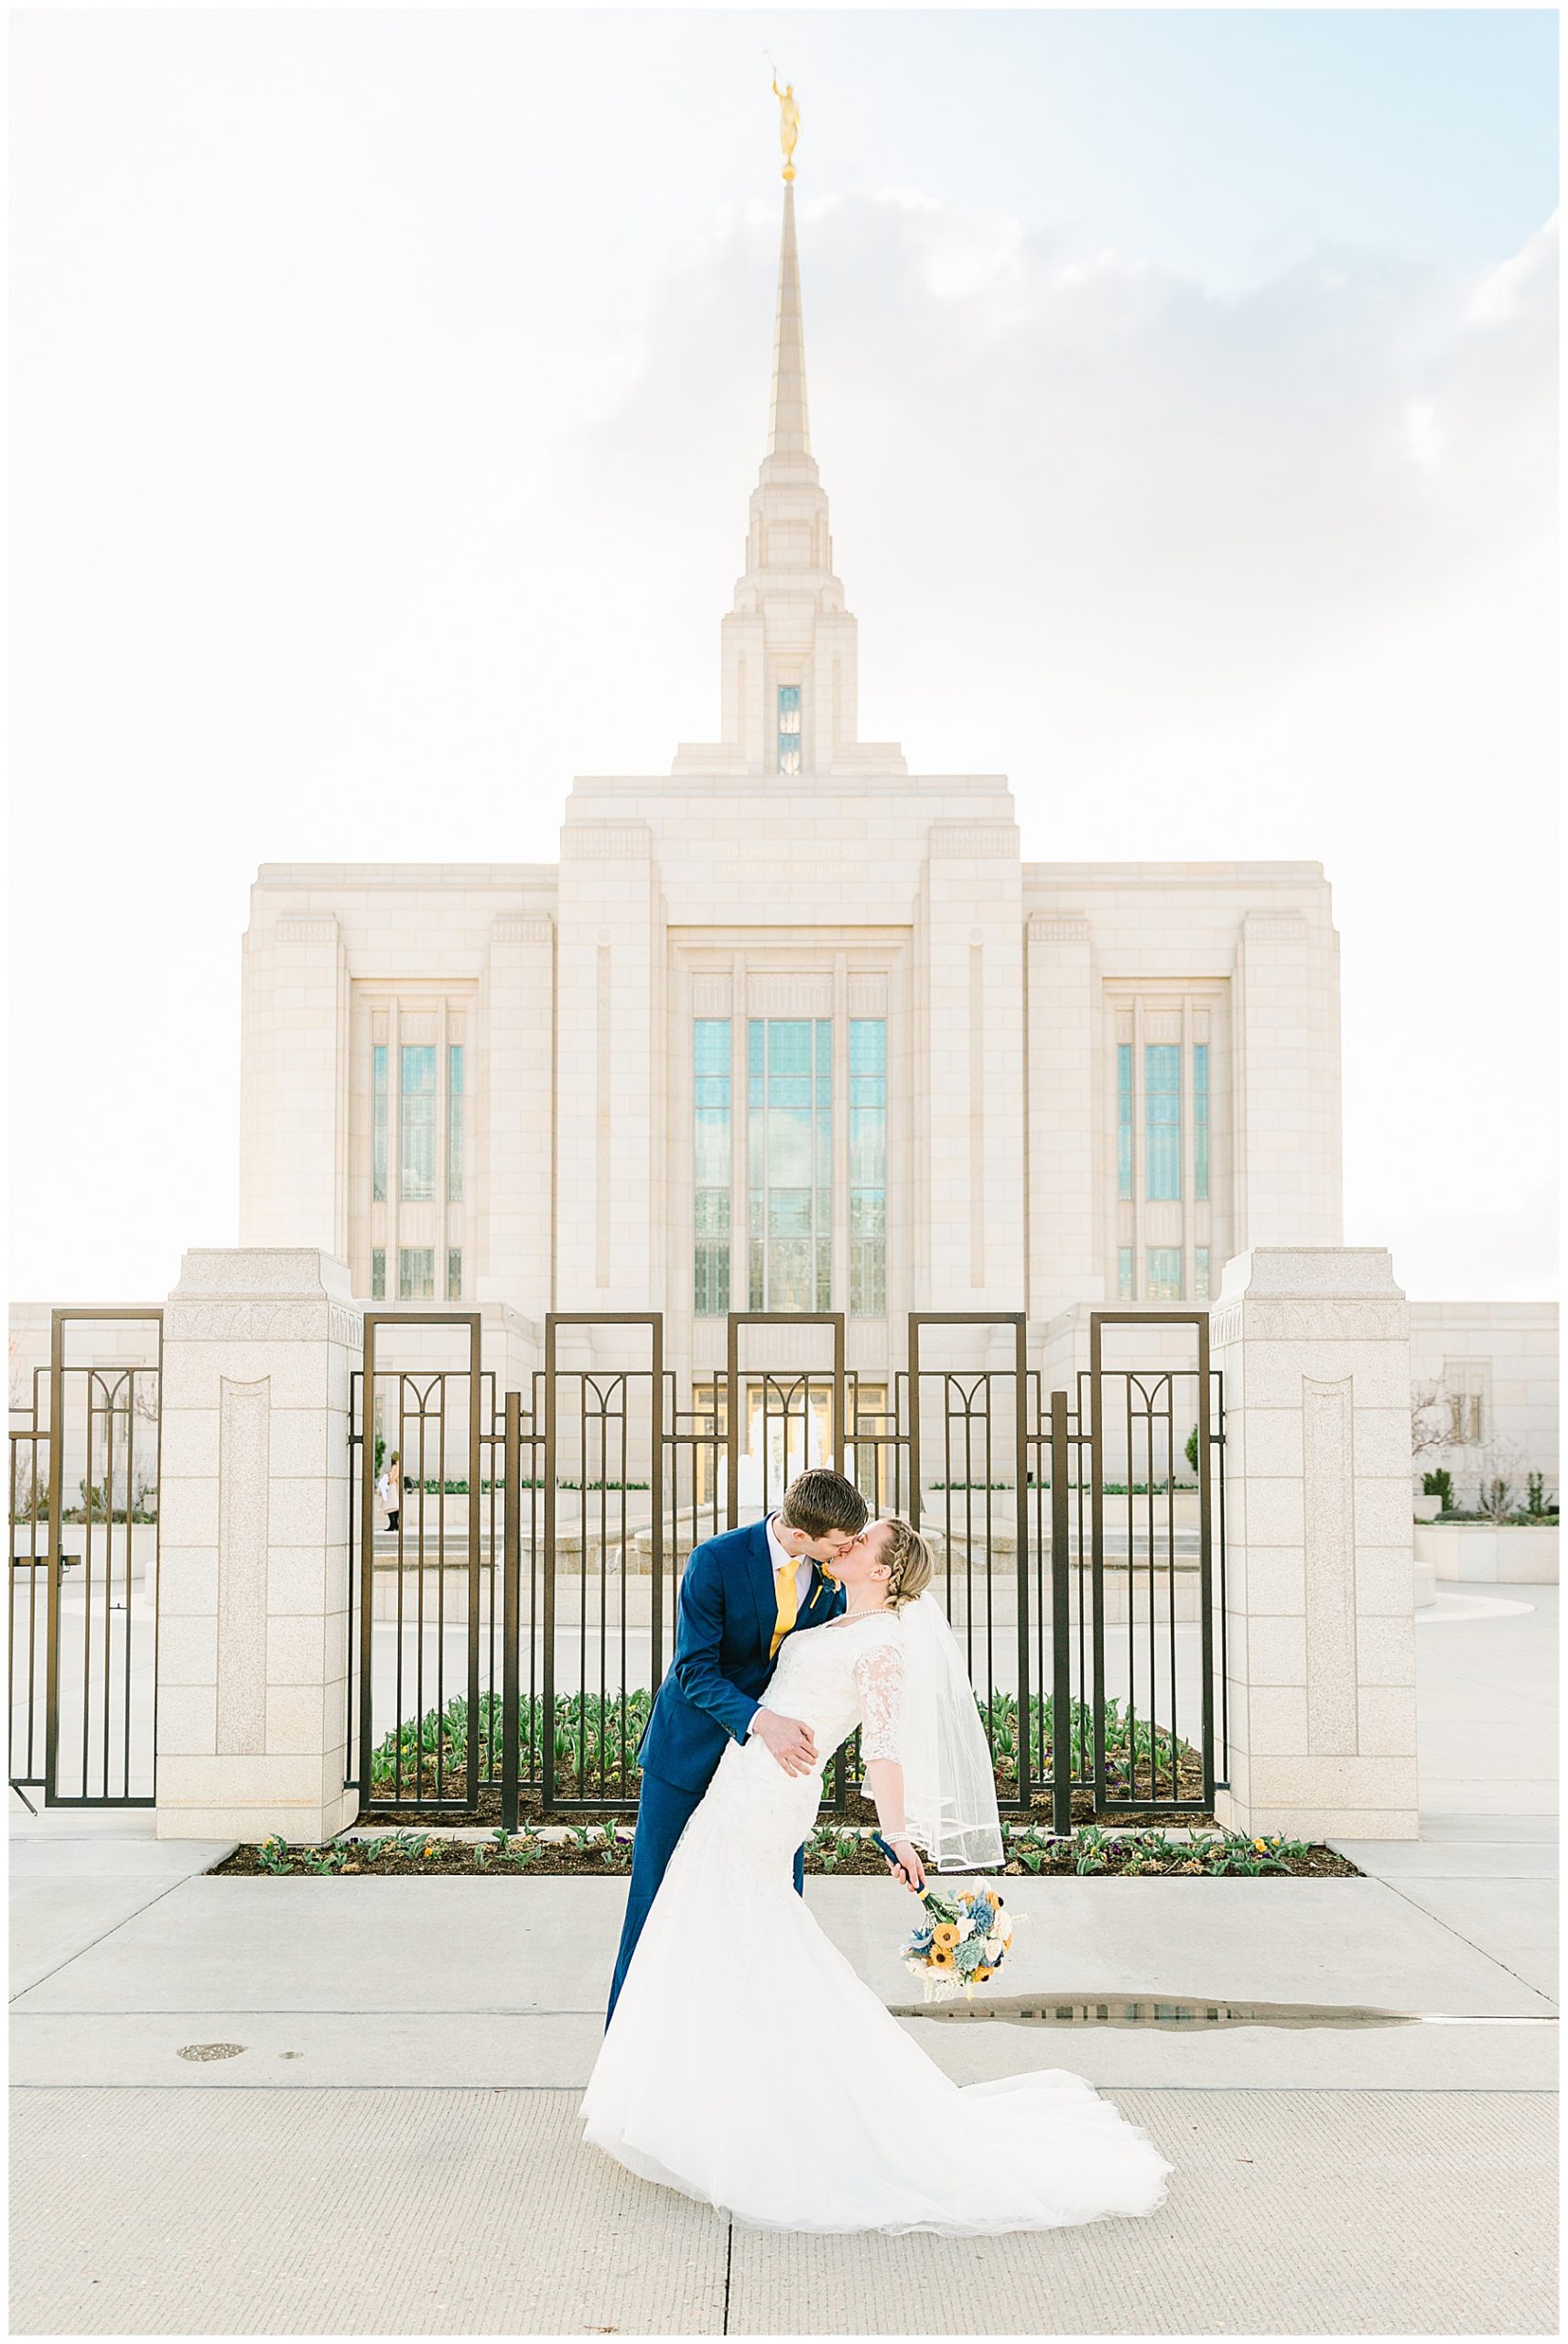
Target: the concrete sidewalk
(348, 2106)
(464, 2212)
(372, 2127)
(326, 1983)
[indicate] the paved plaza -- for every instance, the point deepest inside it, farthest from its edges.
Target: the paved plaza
(348, 2107)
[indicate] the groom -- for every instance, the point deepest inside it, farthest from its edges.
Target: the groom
(742, 1593)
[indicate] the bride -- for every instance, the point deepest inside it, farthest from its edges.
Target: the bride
(745, 2062)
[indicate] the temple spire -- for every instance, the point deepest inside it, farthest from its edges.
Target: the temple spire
(789, 664)
(788, 432)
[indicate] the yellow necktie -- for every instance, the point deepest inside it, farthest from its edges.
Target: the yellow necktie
(788, 1591)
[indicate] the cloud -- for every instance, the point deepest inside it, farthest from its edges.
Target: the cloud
(372, 548)
(1523, 281)
(1157, 496)
(1265, 575)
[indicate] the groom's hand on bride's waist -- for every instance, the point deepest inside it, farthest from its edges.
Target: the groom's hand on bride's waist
(791, 1742)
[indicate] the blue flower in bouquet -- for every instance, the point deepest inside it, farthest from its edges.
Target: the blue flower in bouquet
(961, 1940)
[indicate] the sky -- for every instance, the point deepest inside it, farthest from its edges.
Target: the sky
(387, 389)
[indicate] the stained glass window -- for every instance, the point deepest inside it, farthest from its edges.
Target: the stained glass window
(455, 1122)
(1163, 1282)
(711, 1167)
(868, 1167)
(1124, 1119)
(378, 1122)
(419, 1123)
(454, 1274)
(1162, 1121)
(789, 1156)
(1463, 1381)
(1200, 1121)
(1200, 1273)
(1124, 1273)
(789, 728)
(417, 1273)
(378, 1273)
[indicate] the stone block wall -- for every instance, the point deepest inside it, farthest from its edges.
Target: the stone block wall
(1315, 1346)
(260, 1345)
(1506, 1354)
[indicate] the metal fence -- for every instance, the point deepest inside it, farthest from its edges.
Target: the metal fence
(83, 1514)
(515, 1620)
(1154, 1557)
(513, 1615)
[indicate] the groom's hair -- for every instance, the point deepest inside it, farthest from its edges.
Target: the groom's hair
(818, 1501)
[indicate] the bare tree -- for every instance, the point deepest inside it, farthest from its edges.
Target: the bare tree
(1496, 1490)
(1431, 1419)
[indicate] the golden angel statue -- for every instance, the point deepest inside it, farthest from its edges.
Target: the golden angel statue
(789, 123)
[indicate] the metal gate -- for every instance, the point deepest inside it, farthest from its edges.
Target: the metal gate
(83, 1514)
(970, 1395)
(515, 1621)
(424, 1718)
(1138, 1569)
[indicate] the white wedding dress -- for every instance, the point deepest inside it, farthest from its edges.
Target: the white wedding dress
(748, 2066)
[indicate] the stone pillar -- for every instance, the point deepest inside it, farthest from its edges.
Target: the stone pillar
(259, 1346)
(513, 1183)
(294, 1095)
(1064, 1103)
(1285, 1037)
(968, 1067)
(609, 1064)
(1315, 1346)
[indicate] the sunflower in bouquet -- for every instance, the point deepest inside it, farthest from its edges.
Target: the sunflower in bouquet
(961, 1941)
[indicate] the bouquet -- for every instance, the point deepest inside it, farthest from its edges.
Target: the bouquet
(961, 1942)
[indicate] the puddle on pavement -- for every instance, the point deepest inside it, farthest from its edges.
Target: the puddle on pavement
(1145, 2010)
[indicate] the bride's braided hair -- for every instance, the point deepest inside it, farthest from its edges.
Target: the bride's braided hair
(910, 1563)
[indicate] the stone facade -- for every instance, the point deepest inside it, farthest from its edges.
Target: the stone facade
(1488, 1372)
(1026, 1008)
(668, 1074)
(252, 1665)
(1320, 1628)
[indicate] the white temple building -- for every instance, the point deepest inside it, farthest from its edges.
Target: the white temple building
(953, 1081)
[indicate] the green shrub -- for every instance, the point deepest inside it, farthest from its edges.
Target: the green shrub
(1495, 1498)
(594, 1740)
(1095, 1848)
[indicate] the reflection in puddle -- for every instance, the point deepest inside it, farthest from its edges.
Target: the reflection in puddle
(1115, 2009)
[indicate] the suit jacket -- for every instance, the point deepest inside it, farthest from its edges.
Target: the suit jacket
(725, 1619)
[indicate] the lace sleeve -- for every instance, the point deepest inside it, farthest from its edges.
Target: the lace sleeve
(879, 1675)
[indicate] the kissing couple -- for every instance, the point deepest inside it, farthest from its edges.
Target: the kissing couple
(744, 2061)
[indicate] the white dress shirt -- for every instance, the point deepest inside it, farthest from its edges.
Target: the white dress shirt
(782, 1559)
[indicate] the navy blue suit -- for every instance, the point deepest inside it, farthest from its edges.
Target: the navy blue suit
(725, 1618)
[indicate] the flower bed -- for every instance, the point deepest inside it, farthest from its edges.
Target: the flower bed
(595, 1738)
(605, 1848)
